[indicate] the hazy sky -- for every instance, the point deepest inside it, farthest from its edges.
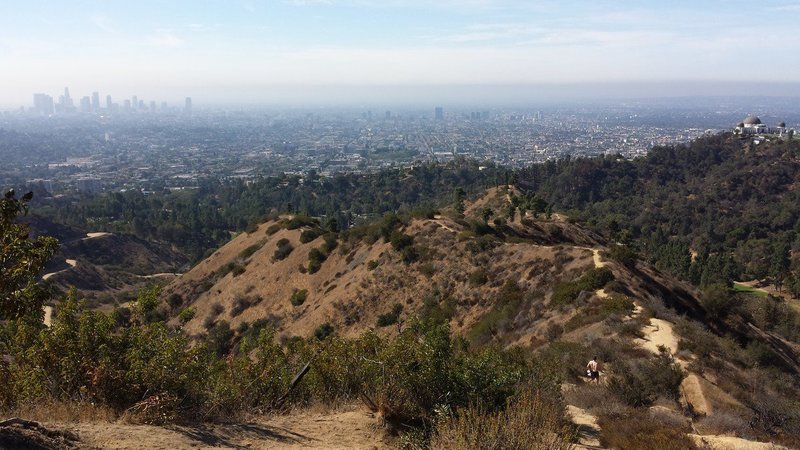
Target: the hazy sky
(260, 51)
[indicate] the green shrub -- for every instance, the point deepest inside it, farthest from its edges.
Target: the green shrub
(390, 318)
(298, 297)
(315, 260)
(186, 315)
(274, 228)
(299, 221)
(400, 240)
(219, 337)
(373, 264)
(174, 300)
(434, 312)
(623, 254)
(240, 303)
(427, 269)
(309, 235)
(478, 278)
(330, 242)
(249, 251)
(510, 300)
(566, 292)
(641, 383)
(237, 269)
(284, 249)
(323, 331)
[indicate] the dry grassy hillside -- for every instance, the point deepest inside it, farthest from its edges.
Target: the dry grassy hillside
(458, 273)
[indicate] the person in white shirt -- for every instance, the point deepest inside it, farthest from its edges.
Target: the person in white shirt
(593, 370)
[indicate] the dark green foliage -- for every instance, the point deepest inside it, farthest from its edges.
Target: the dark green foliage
(315, 260)
(174, 300)
(323, 331)
(427, 269)
(436, 311)
(237, 269)
(310, 234)
(373, 264)
(200, 219)
(719, 301)
(623, 254)
(249, 251)
(240, 303)
(640, 383)
(510, 300)
(298, 297)
(729, 205)
(219, 338)
(478, 278)
(274, 228)
(566, 292)
(390, 318)
(299, 221)
(284, 249)
(21, 261)
(400, 240)
(330, 242)
(482, 244)
(186, 315)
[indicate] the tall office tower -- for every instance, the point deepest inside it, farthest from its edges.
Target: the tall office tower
(188, 106)
(141, 105)
(135, 102)
(388, 115)
(95, 101)
(152, 106)
(163, 106)
(439, 113)
(126, 106)
(109, 103)
(43, 104)
(68, 104)
(86, 104)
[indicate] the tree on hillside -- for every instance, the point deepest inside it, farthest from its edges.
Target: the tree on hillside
(21, 260)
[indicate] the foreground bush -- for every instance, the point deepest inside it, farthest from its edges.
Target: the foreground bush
(145, 367)
(531, 421)
(636, 430)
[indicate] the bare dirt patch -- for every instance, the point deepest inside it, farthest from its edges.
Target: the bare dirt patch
(348, 428)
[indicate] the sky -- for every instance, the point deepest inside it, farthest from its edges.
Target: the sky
(305, 51)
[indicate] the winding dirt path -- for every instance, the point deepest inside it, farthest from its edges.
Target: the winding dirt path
(714, 442)
(48, 316)
(588, 429)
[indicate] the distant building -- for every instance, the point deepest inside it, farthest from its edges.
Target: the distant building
(86, 104)
(188, 106)
(95, 101)
(43, 104)
(439, 113)
(751, 125)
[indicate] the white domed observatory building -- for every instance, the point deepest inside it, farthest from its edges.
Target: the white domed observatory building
(752, 126)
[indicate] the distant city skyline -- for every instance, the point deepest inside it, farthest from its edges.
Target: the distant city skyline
(389, 51)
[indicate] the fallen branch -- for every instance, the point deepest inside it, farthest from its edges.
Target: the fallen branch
(18, 421)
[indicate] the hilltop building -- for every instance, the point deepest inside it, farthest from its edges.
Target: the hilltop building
(752, 125)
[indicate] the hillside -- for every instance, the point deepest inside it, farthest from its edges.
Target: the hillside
(105, 267)
(458, 271)
(526, 282)
(718, 209)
